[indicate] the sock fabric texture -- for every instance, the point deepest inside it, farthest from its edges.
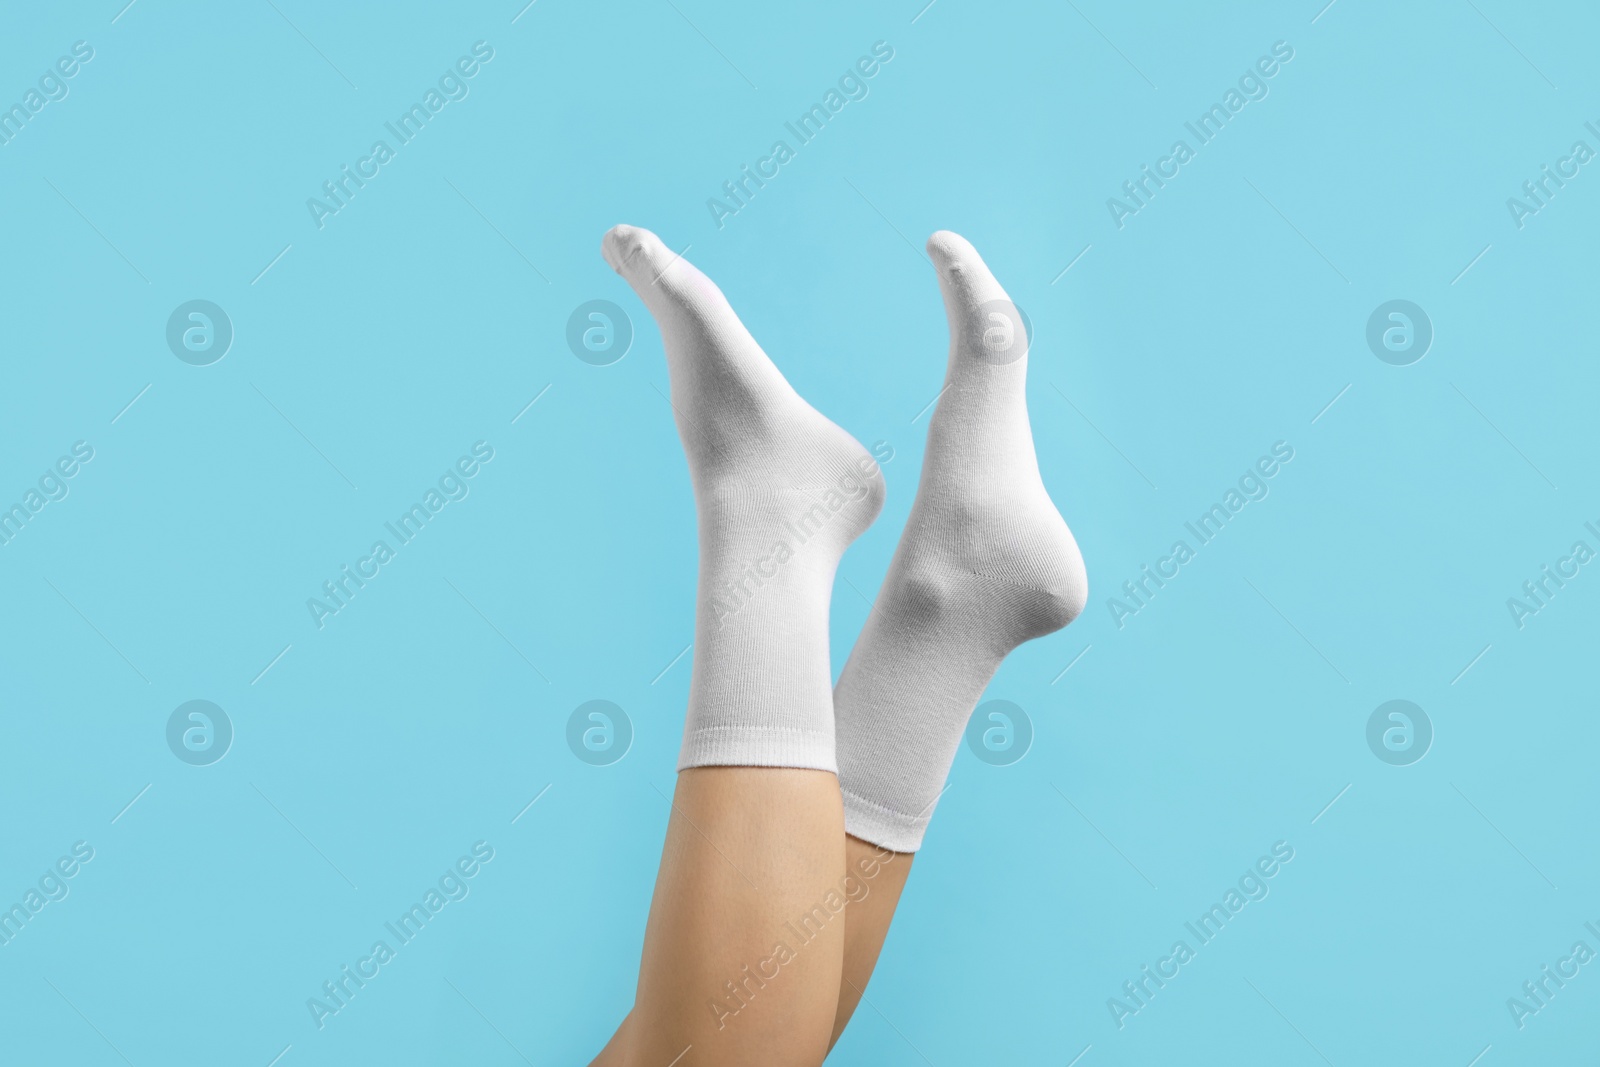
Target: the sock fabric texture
(985, 563)
(780, 492)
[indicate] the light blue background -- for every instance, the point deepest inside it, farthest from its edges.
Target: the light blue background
(1222, 318)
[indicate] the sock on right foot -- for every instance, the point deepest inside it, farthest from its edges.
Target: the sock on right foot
(985, 563)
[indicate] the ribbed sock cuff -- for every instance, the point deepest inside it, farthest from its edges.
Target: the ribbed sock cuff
(883, 826)
(758, 746)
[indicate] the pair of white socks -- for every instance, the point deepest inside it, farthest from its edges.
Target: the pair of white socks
(984, 564)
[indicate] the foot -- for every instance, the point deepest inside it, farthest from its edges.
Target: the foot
(986, 562)
(781, 492)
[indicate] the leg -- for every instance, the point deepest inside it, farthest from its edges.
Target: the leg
(985, 563)
(867, 921)
(735, 963)
(744, 946)
(866, 925)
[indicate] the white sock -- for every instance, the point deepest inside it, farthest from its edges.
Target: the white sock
(780, 492)
(985, 563)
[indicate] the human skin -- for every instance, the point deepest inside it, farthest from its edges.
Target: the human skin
(867, 923)
(749, 851)
(730, 968)
(865, 926)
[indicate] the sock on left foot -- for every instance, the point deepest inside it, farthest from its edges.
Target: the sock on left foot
(780, 493)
